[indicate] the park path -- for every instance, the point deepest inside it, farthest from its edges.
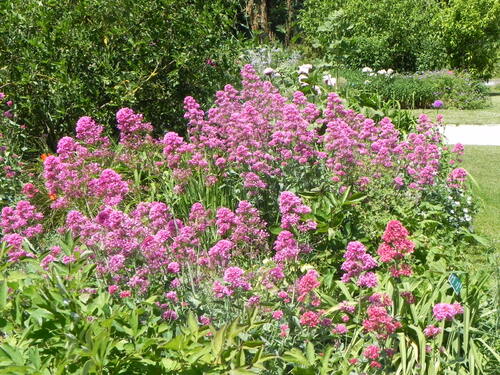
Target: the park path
(484, 135)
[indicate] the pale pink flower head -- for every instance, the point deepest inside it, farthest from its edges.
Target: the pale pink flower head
(235, 276)
(174, 267)
(447, 311)
(372, 352)
(278, 314)
(340, 329)
(284, 330)
(357, 261)
(432, 331)
(310, 319)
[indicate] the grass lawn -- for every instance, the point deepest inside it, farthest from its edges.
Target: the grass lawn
(483, 163)
(490, 115)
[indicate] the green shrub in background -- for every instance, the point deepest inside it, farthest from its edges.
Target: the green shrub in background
(456, 89)
(407, 35)
(15, 148)
(65, 59)
(470, 30)
(380, 34)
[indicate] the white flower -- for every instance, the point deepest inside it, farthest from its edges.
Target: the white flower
(366, 70)
(389, 71)
(276, 74)
(372, 74)
(304, 69)
(317, 89)
(303, 77)
(367, 82)
(329, 80)
(382, 71)
(269, 71)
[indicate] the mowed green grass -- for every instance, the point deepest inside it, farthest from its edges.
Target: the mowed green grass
(489, 115)
(483, 163)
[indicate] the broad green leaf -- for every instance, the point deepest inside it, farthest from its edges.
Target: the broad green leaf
(295, 356)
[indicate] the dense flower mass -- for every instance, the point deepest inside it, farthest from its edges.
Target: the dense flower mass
(241, 217)
(133, 130)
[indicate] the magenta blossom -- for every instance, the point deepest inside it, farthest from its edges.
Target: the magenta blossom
(437, 104)
(447, 311)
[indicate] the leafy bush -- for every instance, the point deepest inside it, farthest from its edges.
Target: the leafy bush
(66, 59)
(408, 36)
(15, 148)
(421, 90)
(381, 34)
(463, 21)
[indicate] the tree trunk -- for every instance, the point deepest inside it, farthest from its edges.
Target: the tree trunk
(258, 14)
(289, 13)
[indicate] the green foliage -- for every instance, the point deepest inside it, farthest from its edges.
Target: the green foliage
(66, 59)
(470, 30)
(64, 323)
(382, 34)
(15, 148)
(455, 89)
(407, 35)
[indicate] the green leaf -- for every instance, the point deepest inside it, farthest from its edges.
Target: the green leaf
(242, 371)
(13, 354)
(218, 341)
(295, 356)
(3, 294)
(310, 355)
(275, 230)
(40, 314)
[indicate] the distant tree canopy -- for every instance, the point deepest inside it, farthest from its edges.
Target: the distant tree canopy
(406, 35)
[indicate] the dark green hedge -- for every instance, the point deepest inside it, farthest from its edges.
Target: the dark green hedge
(67, 58)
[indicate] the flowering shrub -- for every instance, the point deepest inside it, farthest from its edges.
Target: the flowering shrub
(156, 222)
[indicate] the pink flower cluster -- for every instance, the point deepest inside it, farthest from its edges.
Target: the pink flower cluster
(357, 264)
(109, 186)
(133, 130)
(307, 284)
(447, 311)
(380, 322)
(457, 178)
(17, 224)
(396, 245)
(235, 279)
(89, 132)
(243, 227)
(291, 210)
(431, 331)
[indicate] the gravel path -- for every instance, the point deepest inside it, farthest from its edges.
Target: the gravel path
(484, 135)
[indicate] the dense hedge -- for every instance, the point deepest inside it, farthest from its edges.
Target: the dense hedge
(63, 59)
